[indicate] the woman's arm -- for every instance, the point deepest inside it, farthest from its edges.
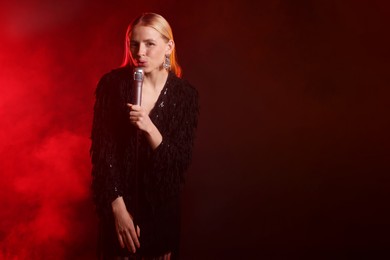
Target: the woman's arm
(172, 157)
(106, 181)
(106, 185)
(171, 149)
(140, 118)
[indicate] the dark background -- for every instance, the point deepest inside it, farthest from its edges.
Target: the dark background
(292, 151)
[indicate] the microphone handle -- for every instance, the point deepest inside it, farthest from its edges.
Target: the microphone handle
(138, 92)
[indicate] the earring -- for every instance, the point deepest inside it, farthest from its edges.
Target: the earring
(167, 63)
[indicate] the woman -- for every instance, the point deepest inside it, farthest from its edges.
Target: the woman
(140, 153)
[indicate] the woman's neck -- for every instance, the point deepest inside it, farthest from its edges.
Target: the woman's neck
(156, 79)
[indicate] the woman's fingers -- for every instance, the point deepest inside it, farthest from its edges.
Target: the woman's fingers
(120, 239)
(139, 117)
(138, 231)
(130, 238)
(134, 237)
(129, 241)
(125, 229)
(136, 113)
(134, 107)
(136, 117)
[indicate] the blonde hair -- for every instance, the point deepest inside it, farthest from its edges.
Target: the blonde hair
(161, 25)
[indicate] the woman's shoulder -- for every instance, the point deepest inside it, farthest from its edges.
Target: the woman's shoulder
(183, 86)
(185, 94)
(117, 74)
(112, 80)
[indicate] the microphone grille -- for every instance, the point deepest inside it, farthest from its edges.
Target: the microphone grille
(138, 74)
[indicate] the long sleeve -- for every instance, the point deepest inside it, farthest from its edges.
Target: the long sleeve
(170, 160)
(105, 169)
(124, 163)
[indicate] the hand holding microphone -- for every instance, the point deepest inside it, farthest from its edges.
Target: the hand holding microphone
(138, 116)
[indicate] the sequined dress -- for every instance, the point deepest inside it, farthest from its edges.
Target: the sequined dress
(161, 172)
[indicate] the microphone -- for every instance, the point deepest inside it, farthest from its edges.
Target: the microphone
(138, 80)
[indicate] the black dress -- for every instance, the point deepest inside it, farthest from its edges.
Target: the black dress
(156, 188)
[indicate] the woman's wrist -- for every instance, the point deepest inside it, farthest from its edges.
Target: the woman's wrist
(154, 136)
(118, 204)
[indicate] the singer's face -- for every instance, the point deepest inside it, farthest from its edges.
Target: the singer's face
(148, 48)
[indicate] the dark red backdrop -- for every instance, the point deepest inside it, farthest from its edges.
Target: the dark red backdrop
(292, 156)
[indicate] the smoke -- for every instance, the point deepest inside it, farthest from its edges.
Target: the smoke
(51, 57)
(49, 184)
(45, 120)
(301, 162)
